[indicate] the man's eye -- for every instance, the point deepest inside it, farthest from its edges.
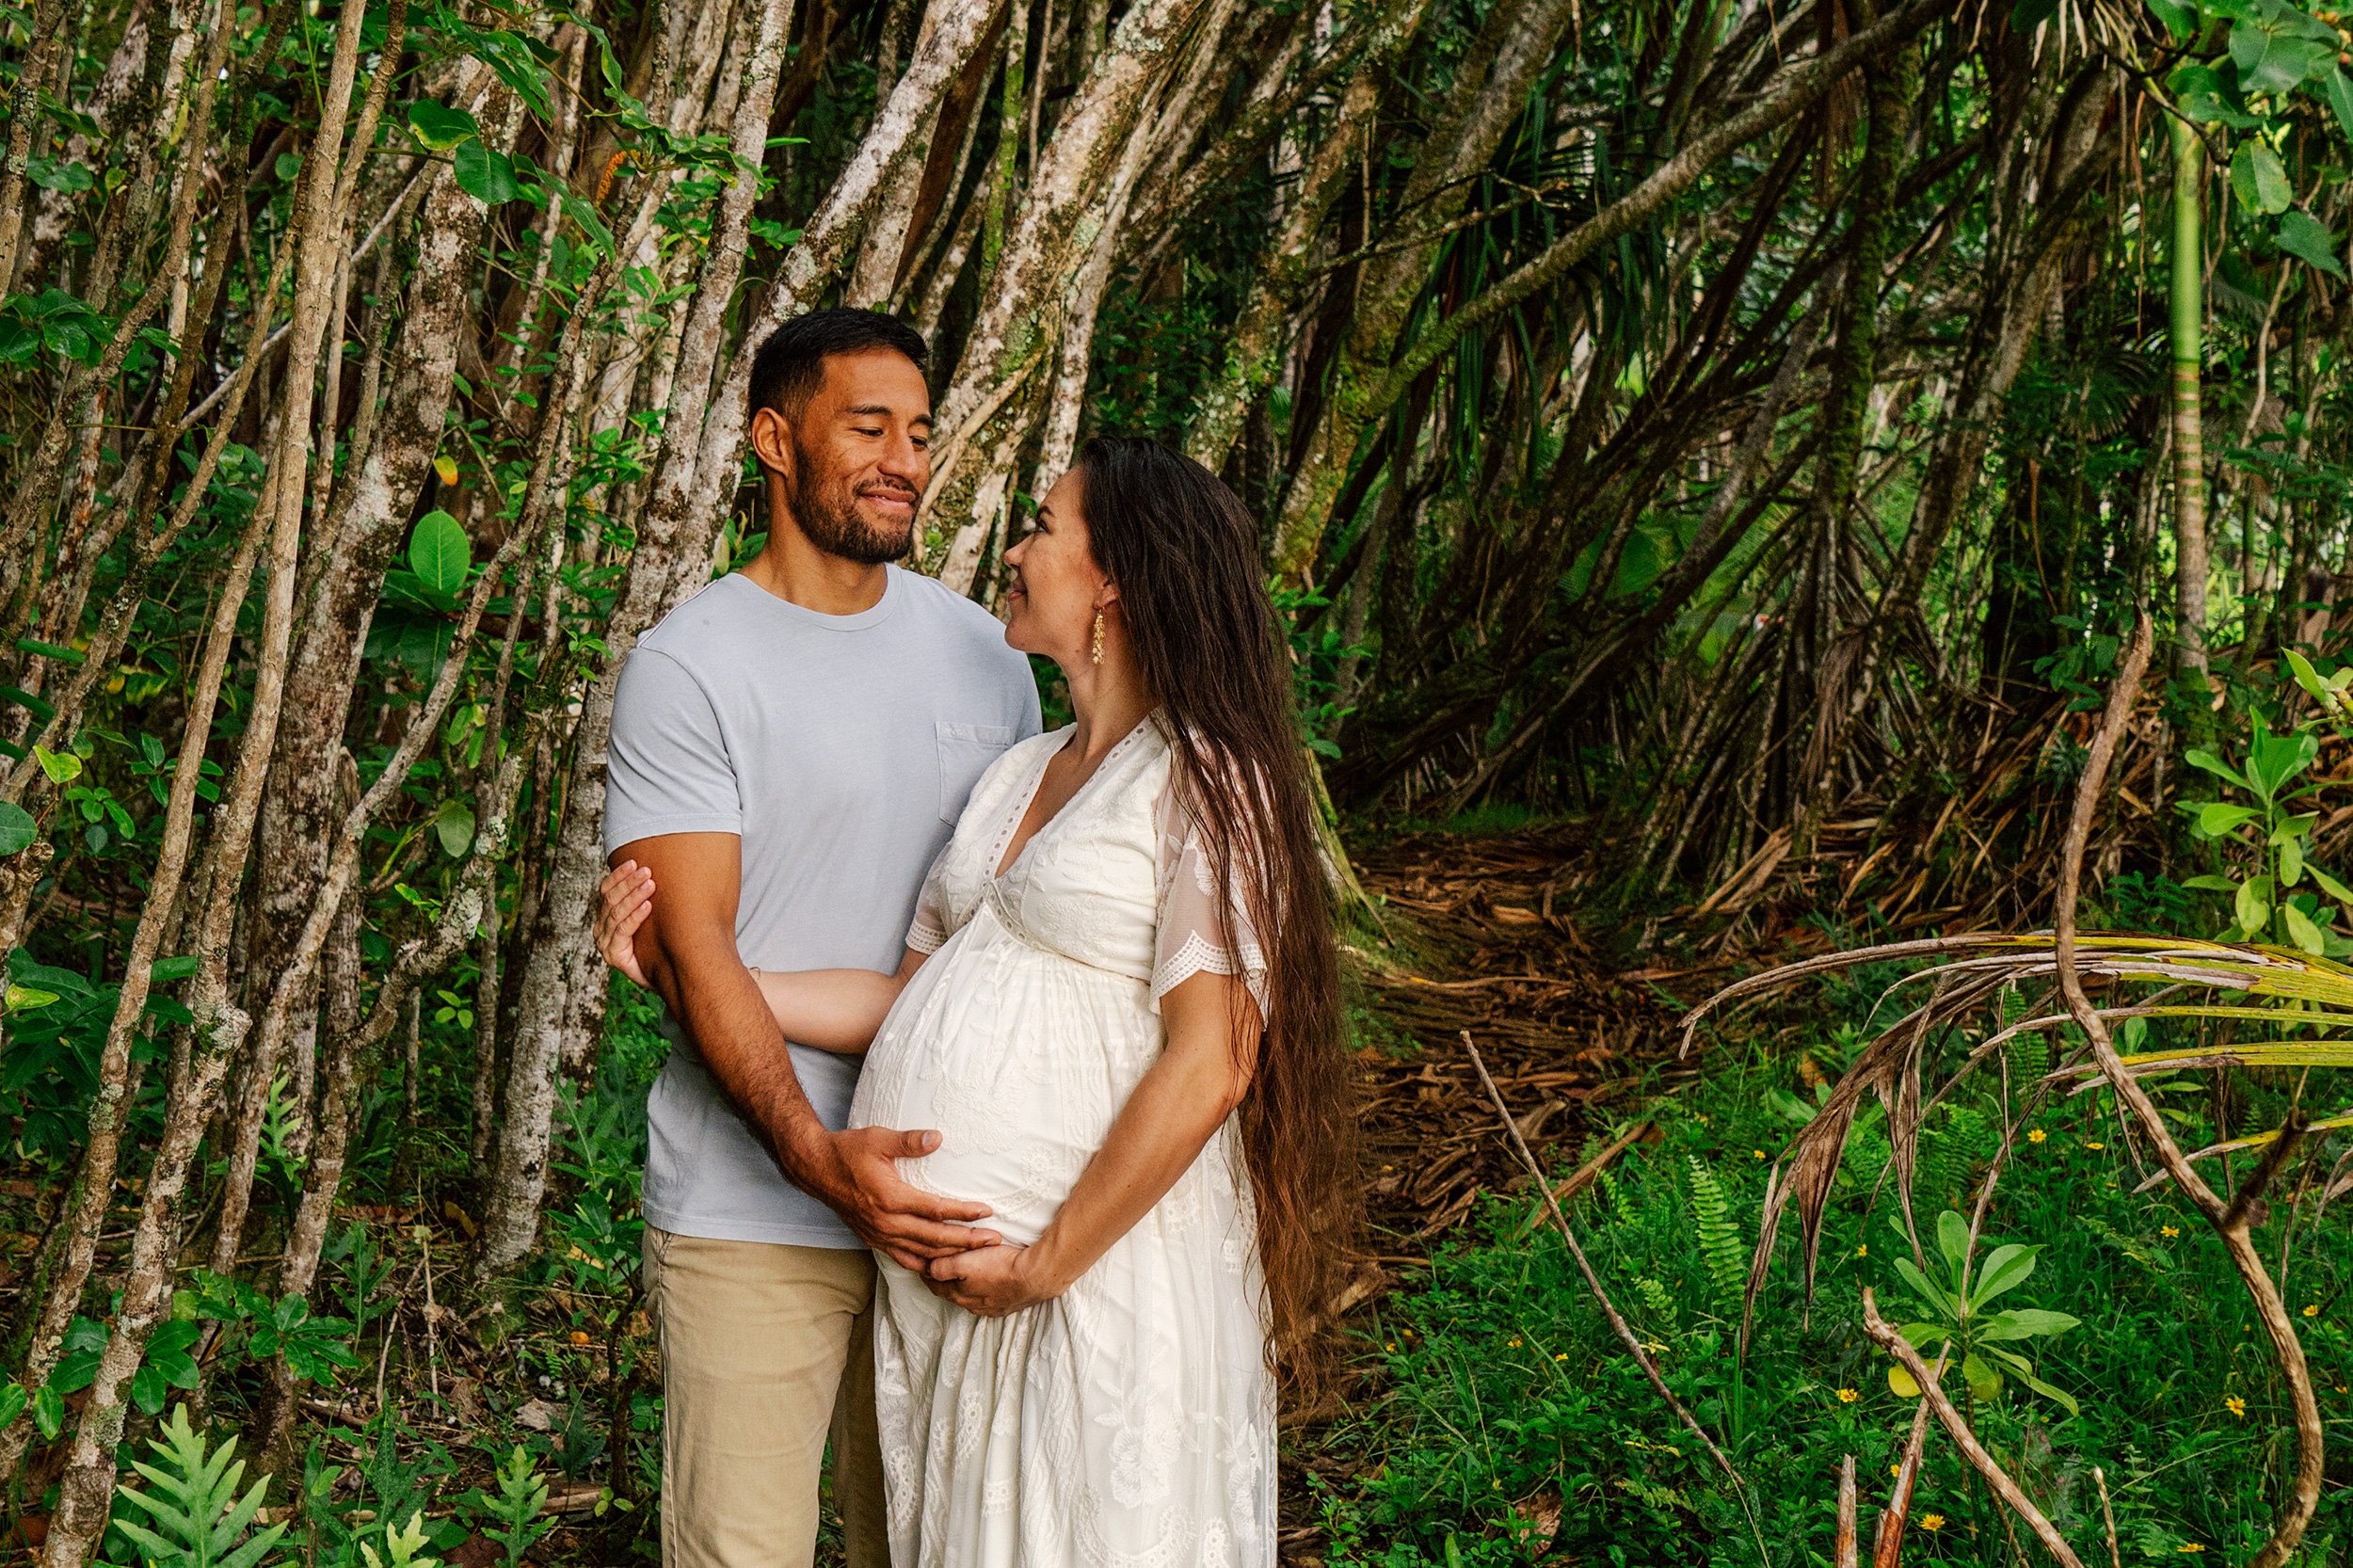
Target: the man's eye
(864, 431)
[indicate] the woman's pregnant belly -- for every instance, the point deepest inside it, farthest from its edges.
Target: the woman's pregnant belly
(1020, 1059)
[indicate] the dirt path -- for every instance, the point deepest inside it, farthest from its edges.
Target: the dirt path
(1483, 941)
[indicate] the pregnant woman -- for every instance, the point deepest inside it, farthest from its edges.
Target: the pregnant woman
(1119, 1009)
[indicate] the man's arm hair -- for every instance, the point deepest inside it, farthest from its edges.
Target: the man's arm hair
(687, 950)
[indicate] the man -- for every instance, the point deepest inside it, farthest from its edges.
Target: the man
(790, 748)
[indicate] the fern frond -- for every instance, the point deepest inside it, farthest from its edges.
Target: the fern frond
(1722, 1254)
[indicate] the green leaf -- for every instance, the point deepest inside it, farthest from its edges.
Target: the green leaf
(2306, 676)
(2279, 53)
(62, 767)
(453, 823)
(2252, 907)
(18, 341)
(2179, 18)
(2311, 241)
(12, 1401)
(2205, 99)
(2027, 1322)
(2048, 1392)
(2026, 15)
(2005, 1269)
(2302, 932)
(439, 553)
(1901, 1383)
(2215, 765)
(1983, 1380)
(2217, 818)
(438, 126)
(1939, 1298)
(49, 1411)
(2211, 884)
(2259, 180)
(2291, 863)
(1952, 1240)
(2330, 885)
(2340, 91)
(24, 998)
(487, 177)
(17, 830)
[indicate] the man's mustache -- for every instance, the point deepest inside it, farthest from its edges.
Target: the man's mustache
(884, 487)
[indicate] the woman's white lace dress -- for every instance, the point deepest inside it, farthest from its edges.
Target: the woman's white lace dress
(1131, 1423)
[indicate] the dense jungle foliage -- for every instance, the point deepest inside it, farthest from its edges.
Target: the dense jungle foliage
(1738, 439)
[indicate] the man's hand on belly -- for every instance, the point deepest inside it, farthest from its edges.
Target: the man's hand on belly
(856, 1175)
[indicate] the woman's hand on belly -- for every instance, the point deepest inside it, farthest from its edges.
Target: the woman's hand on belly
(990, 1282)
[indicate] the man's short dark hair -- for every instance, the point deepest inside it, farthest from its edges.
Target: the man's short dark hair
(791, 365)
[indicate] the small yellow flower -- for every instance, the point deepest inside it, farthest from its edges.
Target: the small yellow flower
(2088, 1144)
(1932, 1521)
(580, 1336)
(1894, 1469)
(2313, 1311)
(2236, 1406)
(1848, 1396)
(1759, 1153)
(2170, 1230)
(2340, 1388)
(2189, 1546)
(1864, 1251)
(2036, 1136)
(1391, 1346)
(1515, 1344)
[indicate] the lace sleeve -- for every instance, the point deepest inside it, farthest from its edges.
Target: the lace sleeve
(1201, 928)
(930, 932)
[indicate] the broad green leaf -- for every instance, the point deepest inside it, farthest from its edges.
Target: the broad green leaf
(486, 176)
(1983, 1380)
(438, 126)
(2253, 907)
(25, 999)
(2259, 180)
(62, 767)
(2278, 54)
(1901, 1381)
(2310, 241)
(453, 823)
(17, 827)
(1952, 1240)
(2005, 1269)
(49, 1411)
(18, 341)
(2034, 1322)
(2330, 885)
(2306, 676)
(2340, 90)
(2180, 18)
(12, 1401)
(2291, 863)
(2197, 758)
(2217, 818)
(2211, 884)
(439, 553)
(2302, 932)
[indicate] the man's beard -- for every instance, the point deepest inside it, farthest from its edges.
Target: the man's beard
(835, 525)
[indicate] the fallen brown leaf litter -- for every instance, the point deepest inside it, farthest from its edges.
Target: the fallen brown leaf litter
(1487, 943)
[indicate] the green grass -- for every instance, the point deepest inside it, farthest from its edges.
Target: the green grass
(1501, 1402)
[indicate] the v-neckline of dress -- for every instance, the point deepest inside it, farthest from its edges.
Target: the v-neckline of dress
(1006, 857)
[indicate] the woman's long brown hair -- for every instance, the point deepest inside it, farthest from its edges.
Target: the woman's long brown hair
(1184, 552)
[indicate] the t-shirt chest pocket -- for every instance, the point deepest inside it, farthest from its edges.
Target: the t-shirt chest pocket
(965, 750)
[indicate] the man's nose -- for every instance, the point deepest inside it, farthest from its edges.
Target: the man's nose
(904, 460)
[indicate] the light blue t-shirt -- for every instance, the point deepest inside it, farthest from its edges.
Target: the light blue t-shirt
(840, 749)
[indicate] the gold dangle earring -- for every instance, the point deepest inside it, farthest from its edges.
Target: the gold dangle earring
(1098, 657)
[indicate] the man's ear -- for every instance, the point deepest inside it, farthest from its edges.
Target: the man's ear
(772, 444)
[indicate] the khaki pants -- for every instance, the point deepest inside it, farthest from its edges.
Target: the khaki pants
(766, 1352)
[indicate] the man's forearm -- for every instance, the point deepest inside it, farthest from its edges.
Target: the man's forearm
(723, 1012)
